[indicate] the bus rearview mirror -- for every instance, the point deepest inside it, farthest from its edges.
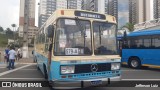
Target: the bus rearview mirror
(50, 31)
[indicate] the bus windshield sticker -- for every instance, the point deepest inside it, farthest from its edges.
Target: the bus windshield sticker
(70, 22)
(62, 43)
(71, 51)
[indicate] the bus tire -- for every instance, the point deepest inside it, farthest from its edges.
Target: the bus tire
(45, 72)
(38, 67)
(134, 62)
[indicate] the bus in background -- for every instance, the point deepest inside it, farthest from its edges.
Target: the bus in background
(77, 48)
(142, 49)
(120, 44)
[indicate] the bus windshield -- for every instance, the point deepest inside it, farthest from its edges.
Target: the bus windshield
(73, 37)
(104, 38)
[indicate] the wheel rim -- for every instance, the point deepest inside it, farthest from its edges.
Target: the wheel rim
(134, 63)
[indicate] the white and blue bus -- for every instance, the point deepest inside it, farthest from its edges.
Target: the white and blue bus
(142, 48)
(77, 48)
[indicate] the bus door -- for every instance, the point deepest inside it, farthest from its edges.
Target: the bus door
(120, 47)
(50, 34)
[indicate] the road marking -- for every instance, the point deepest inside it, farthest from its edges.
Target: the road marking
(2, 67)
(6, 72)
(28, 63)
(28, 69)
(133, 70)
(22, 78)
(140, 79)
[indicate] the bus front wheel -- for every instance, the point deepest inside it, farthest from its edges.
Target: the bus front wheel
(134, 62)
(45, 72)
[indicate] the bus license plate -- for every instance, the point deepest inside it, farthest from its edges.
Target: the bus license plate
(97, 82)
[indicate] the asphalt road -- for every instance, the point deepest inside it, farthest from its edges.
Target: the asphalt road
(29, 72)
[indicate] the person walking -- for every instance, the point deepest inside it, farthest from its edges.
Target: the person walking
(19, 53)
(6, 56)
(12, 54)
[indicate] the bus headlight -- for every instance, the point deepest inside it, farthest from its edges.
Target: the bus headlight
(67, 69)
(115, 66)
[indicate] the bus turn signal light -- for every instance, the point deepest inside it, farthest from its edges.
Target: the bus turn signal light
(62, 12)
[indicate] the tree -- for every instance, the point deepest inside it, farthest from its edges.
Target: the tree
(129, 26)
(9, 31)
(1, 29)
(13, 25)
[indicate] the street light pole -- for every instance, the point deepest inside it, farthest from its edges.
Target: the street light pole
(14, 27)
(25, 29)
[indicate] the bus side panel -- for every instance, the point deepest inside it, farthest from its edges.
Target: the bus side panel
(146, 56)
(128, 53)
(153, 55)
(55, 70)
(41, 62)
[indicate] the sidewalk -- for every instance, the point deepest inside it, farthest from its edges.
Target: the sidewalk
(25, 60)
(21, 61)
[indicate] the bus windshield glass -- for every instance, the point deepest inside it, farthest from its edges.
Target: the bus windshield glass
(73, 37)
(104, 38)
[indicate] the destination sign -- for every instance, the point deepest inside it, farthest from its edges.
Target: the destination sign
(89, 15)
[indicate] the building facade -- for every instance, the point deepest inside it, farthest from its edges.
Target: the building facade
(112, 8)
(156, 6)
(47, 7)
(132, 11)
(74, 4)
(140, 11)
(102, 6)
(31, 18)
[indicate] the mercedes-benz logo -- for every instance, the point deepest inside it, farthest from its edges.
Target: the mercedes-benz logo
(94, 67)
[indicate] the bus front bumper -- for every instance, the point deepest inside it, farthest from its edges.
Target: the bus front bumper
(84, 83)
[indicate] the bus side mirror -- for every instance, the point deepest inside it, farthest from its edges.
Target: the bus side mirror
(50, 31)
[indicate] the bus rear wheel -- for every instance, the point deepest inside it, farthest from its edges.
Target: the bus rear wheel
(134, 63)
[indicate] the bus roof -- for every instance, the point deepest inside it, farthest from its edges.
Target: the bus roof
(80, 14)
(144, 33)
(86, 14)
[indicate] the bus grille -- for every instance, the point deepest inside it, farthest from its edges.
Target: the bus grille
(86, 68)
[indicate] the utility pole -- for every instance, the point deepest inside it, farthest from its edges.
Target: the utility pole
(25, 29)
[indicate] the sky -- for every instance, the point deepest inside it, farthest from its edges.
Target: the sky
(123, 12)
(10, 13)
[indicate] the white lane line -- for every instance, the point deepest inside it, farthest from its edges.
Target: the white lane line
(22, 78)
(28, 69)
(140, 79)
(9, 71)
(133, 70)
(2, 67)
(28, 63)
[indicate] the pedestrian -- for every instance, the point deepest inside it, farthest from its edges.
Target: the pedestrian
(6, 56)
(19, 53)
(12, 54)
